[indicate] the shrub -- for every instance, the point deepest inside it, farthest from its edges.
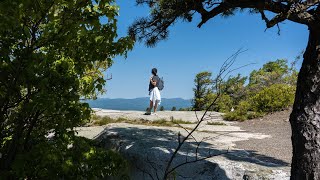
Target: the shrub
(223, 103)
(186, 109)
(216, 123)
(234, 116)
(239, 116)
(97, 120)
(273, 98)
(82, 159)
(242, 113)
(252, 114)
(243, 107)
(173, 108)
(161, 108)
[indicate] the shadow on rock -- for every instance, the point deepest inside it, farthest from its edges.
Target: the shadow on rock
(149, 150)
(256, 158)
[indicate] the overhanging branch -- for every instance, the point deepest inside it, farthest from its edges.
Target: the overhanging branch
(294, 12)
(214, 12)
(274, 21)
(270, 23)
(164, 14)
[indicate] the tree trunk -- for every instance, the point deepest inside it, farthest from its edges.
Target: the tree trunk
(305, 116)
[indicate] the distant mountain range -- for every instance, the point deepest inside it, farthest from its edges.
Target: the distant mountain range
(139, 104)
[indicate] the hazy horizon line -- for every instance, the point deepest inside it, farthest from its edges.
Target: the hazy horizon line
(145, 97)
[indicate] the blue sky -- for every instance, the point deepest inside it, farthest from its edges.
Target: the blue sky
(190, 50)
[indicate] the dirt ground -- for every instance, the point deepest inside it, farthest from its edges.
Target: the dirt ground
(278, 146)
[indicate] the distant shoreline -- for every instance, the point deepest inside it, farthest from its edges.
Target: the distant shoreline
(137, 104)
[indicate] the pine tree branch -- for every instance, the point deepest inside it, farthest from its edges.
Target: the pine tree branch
(297, 13)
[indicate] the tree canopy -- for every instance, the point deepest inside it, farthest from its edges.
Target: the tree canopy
(165, 13)
(269, 89)
(202, 88)
(53, 53)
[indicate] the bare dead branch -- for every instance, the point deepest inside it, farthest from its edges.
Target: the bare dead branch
(195, 112)
(145, 172)
(186, 131)
(109, 78)
(197, 148)
(224, 70)
(152, 164)
(232, 70)
(197, 160)
(169, 169)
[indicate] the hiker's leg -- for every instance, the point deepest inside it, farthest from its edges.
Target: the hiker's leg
(151, 105)
(155, 107)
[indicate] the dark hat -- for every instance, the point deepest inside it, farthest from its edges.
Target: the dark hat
(154, 71)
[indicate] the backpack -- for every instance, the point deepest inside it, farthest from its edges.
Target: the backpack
(160, 84)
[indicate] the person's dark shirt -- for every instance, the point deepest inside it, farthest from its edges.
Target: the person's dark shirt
(154, 78)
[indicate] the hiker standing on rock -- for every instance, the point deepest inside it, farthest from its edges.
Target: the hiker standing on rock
(155, 97)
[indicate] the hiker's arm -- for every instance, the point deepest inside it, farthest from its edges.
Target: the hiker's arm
(153, 82)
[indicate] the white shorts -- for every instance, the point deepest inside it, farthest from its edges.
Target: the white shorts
(155, 96)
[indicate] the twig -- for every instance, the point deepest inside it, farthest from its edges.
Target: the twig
(109, 78)
(221, 75)
(197, 160)
(154, 168)
(186, 131)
